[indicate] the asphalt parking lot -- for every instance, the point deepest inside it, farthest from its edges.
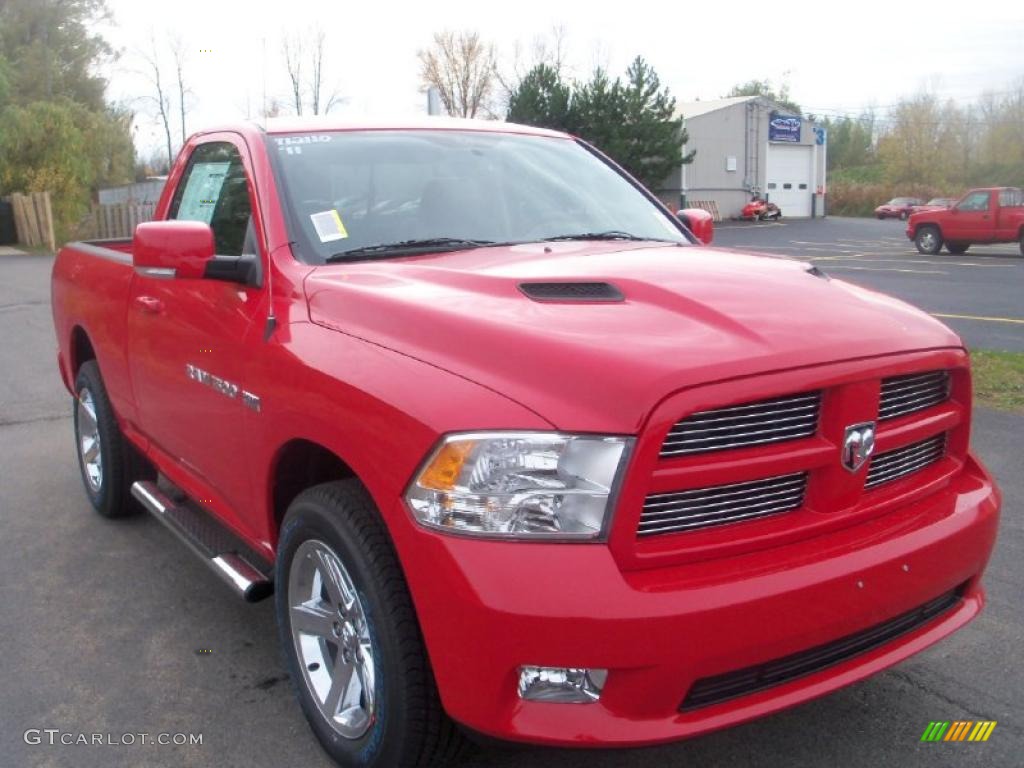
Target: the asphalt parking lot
(979, 293)
(105, 625)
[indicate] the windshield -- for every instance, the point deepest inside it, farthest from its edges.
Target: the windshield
(358, 193)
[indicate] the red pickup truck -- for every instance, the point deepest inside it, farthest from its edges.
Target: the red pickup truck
(511, 447)
(993, 215)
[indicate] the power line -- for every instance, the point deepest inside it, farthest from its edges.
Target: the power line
(849, 111)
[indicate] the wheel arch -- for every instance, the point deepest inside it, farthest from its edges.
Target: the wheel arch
(299, 464)
(80, 350)
(932, 224)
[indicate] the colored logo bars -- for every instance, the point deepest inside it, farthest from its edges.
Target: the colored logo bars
(959, 730)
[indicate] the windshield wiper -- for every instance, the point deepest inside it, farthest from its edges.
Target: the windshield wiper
(611, 234)
(408, 247)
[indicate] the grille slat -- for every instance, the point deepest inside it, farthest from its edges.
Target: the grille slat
(898, 463)
(680, 527)
(743, 493)
(771, 405)
(901, 388)
(916, 401)
(717, 505)
(902, 395)
(698, 428)
(766, 421)
(698, 511)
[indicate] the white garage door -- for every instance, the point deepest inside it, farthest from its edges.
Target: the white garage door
(789, 178)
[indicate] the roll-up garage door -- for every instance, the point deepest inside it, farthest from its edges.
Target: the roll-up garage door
(789, 178)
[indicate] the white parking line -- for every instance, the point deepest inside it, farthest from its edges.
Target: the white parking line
(873, 258)
(1014, 320)
(887, 269)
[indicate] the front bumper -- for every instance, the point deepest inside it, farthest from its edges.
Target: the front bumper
(488, 607)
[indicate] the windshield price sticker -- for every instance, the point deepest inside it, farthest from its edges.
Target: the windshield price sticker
(328, 226)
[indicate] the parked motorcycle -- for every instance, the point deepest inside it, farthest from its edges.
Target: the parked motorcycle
(759, 209)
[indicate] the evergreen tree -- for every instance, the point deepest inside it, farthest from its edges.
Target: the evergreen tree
(633, 122)
(541, 99)
(652, 135)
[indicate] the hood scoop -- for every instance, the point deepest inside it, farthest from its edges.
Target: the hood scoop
(572, 292)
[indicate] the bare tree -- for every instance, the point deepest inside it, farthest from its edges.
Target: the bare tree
(180, 60)
(549, 51)
(462, 68)
(292, 49)
(158, 97)
(316, 78)
(305, 59)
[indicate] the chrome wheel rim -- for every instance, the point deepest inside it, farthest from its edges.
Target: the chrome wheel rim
(89, 447)
(928, 240)
(332, 639)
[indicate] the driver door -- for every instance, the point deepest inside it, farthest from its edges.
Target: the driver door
(970, 221)
(190, 337)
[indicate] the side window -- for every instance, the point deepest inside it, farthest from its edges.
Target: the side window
(976, 201)
(1010, 198)
(214, 190)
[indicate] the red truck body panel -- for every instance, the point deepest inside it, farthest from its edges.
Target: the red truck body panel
(375, 361)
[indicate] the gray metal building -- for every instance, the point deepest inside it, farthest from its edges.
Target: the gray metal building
(147, 191)
(749, 145)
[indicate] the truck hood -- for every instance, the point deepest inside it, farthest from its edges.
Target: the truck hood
(689, 315)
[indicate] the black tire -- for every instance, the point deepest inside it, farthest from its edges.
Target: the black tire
(409, 726)
(928, 240)
(120, 464)
(957, 248)
(904, 215)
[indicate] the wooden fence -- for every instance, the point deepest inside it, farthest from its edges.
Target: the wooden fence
(711, 206)
(33, 219)
(119, 219)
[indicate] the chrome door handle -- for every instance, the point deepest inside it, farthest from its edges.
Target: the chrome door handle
(150, 304)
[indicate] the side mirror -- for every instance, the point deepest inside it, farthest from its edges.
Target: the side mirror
(173, 248)
(700, 222)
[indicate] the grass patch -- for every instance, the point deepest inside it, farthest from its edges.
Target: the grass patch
(998, 379)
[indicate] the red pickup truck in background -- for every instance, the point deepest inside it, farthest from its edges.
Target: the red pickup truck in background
(993, 215)
(511, 447)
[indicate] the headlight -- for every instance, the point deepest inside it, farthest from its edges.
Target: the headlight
(531, 485)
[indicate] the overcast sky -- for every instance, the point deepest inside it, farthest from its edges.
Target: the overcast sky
(842, 57)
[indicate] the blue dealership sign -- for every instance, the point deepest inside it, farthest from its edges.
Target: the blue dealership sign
(781, 128)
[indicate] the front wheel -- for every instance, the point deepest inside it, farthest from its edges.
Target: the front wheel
(350, 636)
(904, 215)
(957, 248)
(928, 240)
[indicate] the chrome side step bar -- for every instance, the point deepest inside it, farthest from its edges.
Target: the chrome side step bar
(218, 547)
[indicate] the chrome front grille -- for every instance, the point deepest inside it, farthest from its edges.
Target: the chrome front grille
(892, 465)
(739, 426)
(716, 505)
(907, 394)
